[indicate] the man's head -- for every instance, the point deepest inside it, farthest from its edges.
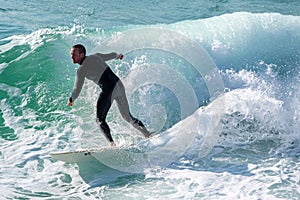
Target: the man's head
(78, 53)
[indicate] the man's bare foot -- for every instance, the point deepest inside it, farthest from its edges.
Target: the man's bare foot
(112, 144)
(150, 135)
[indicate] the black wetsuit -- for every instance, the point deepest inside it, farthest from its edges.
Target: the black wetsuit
(94, 68)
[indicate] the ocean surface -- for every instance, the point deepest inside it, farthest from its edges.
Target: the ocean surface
(217, 80)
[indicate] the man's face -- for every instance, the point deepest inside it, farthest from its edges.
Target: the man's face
(76, 55)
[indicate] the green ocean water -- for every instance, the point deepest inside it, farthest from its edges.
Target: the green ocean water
(255, 47)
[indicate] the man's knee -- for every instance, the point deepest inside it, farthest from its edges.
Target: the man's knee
(102, 123)
(98, 121)
(135, 121)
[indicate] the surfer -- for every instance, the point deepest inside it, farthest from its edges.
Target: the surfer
(94, 67)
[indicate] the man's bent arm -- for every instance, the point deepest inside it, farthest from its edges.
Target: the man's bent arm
(80, 76)
(108, 56)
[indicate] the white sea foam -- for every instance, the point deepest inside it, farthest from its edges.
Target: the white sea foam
(255, 156)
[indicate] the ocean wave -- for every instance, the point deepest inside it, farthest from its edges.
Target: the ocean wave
(257, 52)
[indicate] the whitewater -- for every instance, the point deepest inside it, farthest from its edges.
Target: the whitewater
(219, 80)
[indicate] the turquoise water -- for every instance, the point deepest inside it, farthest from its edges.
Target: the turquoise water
(242, 144)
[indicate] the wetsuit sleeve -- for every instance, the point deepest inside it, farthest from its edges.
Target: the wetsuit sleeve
(108, 56)
(80, 76)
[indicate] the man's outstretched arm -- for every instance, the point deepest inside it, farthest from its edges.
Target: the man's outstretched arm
(110, 56)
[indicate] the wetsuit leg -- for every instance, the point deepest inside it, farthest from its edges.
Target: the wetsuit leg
(123, 106)
(103, 105)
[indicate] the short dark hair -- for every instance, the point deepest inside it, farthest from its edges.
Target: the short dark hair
(80, 47)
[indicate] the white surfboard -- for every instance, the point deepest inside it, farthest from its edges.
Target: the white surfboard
(158, 151)
(76, 156)
(120, 158)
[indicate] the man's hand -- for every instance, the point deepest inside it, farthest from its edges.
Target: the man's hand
(70, 103)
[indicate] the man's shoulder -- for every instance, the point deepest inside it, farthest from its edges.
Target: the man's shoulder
(90, 59)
